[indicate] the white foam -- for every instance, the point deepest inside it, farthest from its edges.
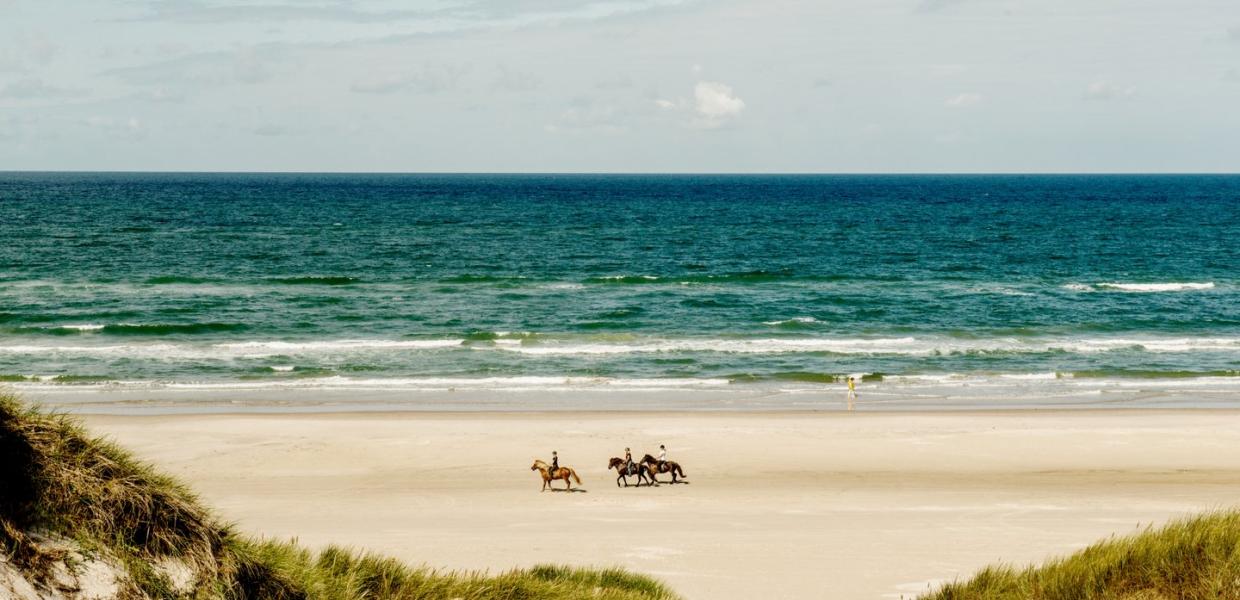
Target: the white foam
(283, 368)
(294, 347)
(412, 383)
(1142, 287)
(745, 346)
(623, 277)
(804, 320)
(1158, 287)
(587, 345)
(1031, 376)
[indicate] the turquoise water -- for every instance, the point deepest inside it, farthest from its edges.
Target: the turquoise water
(629, 281)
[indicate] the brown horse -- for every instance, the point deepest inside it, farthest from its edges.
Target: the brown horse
(670, 466)
(644, 472)
(561, 473)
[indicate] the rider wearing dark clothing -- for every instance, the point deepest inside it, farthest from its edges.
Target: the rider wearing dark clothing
(555, 463)
(628, 462)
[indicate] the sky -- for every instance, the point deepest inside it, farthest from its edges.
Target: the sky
(858, 86)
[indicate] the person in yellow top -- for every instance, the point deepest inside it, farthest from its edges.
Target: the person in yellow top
(852, 391)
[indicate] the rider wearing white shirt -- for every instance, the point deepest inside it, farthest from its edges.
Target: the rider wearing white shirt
(662, 457)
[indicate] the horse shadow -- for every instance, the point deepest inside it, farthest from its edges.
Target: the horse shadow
(571, 491)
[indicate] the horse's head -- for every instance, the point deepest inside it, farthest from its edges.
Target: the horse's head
(649, 459)
(615, 463)
(538, 464)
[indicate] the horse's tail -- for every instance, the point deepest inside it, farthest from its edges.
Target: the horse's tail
(680, 471)
(574, 474)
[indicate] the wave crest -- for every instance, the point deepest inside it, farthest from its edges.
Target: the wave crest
(1141, 287)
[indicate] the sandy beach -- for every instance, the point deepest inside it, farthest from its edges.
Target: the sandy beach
(780, 505)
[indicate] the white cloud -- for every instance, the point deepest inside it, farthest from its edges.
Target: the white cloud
(1105, 90)
(963, 100)
(716, 101)
(713, 105)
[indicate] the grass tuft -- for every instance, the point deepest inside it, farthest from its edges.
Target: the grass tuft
(1191, 559)
(58, 482)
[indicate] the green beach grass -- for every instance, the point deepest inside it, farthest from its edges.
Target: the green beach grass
(1191, 559)
(67, 498)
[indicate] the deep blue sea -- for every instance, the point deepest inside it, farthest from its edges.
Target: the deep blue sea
(622, 281)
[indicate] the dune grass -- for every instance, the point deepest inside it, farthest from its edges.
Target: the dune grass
(1191, 559)
(57, 481)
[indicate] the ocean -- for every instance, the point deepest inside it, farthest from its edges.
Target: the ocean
(782, 283)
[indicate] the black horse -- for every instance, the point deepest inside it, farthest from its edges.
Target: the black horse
(643, 472)
(668, 466)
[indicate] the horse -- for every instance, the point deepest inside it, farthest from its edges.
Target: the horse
(561, 473)
(643, 472)
(667, 467)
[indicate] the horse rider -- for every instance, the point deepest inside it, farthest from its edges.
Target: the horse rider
(629, 467)
(662, 458)
(555, 464)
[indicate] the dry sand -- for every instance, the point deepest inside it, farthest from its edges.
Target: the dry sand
(780, 505)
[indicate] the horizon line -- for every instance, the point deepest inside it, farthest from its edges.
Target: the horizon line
(624, 173)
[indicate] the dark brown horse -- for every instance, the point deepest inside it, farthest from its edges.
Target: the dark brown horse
(669, 466)
(643, 472)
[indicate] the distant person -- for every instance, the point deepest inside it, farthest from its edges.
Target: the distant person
(852, 391)
(628, 461)
(662, 458)
(555, 463)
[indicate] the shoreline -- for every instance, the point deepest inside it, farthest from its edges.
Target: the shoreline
(756, 399)
(860, 505)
